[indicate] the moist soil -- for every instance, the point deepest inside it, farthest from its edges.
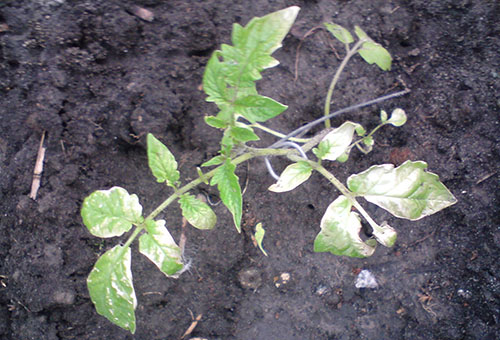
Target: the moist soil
(97, 78)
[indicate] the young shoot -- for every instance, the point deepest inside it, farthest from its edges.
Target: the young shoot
(408, 191)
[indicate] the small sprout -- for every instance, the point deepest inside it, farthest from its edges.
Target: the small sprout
(383, 116)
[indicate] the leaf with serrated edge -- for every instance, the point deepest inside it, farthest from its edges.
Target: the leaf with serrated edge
(259, 237)
(243, 134)
(230, 190)
(160, 248)
(258, 108)
(338, 140)
(339, 32)
(197, 213)
(406, 191)
(294, 175)
(213, 83)
(254, 44)
(161, 162)
(111, 289)
(109, 213)
(340, 229)
(214, 161)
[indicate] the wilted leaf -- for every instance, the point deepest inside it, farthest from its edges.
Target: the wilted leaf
(293, 176)
(159, 246)
(406, 191)
(111, 289)
(108, 213)
(340, 229)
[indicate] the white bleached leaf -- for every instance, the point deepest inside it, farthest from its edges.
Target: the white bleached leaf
(398, 117)
(337, 141)
(159, 246)
(340, 229)
(109, 213)
(293, 176)
(407, 191)
(111, 290)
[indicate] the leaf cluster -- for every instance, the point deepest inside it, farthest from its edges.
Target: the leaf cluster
(408, 191)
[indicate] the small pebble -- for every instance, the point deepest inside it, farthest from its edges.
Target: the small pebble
(282, 280)
(466, 294)
(366, 279)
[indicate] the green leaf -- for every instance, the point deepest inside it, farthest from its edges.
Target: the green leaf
(161, 162)
(398, 117)
(293, 176)
(215, 122)
(361, 34)
(368, 141)
(159, 247)
(198, 213)
(383, 116)
(360, 130)
(214, 161)
(343, 158)
(111, 290)
(338, 140)
(322, 150)
(214, 84)
(202, 175)
(258, 108)
(406, 191)
(230, 190)
(259, 236)
(375, 53)
(108, 213)
(254, 43)
(243, 134)
(340, 229)
(339, 32)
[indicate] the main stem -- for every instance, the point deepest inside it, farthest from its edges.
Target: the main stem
(336, 77)
(252, 153)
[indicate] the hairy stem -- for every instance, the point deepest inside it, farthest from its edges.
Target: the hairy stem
(336, 77)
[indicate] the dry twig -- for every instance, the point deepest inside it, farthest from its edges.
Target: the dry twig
(37, 173)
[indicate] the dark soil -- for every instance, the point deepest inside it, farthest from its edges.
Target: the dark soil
(97, 78)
